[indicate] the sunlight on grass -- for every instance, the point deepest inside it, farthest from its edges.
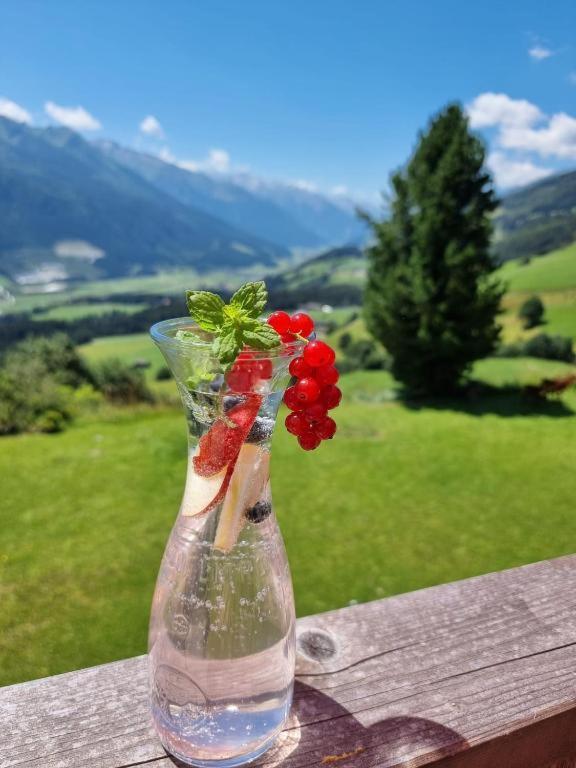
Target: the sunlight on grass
(403, 498)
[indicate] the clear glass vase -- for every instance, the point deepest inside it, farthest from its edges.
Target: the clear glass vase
(221, 643)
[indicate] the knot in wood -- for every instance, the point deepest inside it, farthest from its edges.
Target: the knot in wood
(317, 644)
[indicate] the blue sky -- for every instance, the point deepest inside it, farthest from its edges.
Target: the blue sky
(323, 92)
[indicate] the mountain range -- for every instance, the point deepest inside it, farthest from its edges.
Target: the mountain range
(538, 218)
(73, 209)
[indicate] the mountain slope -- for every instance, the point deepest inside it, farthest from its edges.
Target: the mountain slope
(334, 223)
(537, 218)
(335, 277)
(55, 186)
(216, 195)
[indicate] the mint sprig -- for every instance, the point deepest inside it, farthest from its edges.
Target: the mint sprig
(234, 325)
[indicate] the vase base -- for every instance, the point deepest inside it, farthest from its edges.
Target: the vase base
(231, 762)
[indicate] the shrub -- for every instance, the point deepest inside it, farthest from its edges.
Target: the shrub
(345, 341)
(56, 355)
(121, 383)
(363, 354)
(163, 373)
(532, 312)
(37, 381)
(543, 346)
(33, 403)
(550, 347)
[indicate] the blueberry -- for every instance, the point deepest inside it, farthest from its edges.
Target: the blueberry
(230, 401)
(261, 430)
(259, 511)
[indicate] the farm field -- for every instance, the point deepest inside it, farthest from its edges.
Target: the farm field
(408, 495)
(85, 309)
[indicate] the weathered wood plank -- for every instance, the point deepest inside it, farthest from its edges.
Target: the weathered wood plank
(476, 673)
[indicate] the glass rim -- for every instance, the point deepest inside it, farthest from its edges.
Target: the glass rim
(164, 333)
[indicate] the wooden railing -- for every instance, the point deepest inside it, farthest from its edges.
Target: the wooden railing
(476, 673)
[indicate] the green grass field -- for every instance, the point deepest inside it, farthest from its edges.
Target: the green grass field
(554, 272)
(137, 346)
(86, 309)
(405, 497)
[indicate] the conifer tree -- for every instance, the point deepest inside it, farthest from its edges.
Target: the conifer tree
(432, 298)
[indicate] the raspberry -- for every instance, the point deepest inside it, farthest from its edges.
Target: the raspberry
(291, 399)
(309, 441)
(330, 397)
(299, 368)
(302, 324)
(326, 429)
(318, 354)
(264, 368)
(315, 413)
(307, 390)
(280, 321)
(327, 374)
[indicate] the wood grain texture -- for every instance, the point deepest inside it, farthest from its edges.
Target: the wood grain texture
(476, 674)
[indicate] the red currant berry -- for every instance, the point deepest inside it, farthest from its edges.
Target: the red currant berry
(307, 390)
(287, 338)
(315, 413)
(296, 424)
(330, 397)
(280, 321)
(302, 324)
(291, 399)
(317, 354)
(309, 441)
(328, 374)
(299, 368)
(326, 429)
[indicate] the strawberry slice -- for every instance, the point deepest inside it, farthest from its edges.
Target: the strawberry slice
(221, 444)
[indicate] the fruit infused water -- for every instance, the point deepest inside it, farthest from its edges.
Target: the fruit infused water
(221, 642)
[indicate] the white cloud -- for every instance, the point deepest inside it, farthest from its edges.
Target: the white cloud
(217, 161)
(151, 127)
(540, 52)
(14, 112)
(304, 184)
(515, 173)
(76, 118)
(556, 139)
(167, 156)
(340, 190)
(491, 109)
(523, 127)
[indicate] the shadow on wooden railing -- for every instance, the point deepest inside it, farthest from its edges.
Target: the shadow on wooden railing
(476, 674)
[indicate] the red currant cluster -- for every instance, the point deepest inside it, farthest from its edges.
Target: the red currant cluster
(315, 391)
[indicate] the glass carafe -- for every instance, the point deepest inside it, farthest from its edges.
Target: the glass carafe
(221, 643)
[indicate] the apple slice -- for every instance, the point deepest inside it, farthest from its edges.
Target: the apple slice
(201, 493)
(249, 478)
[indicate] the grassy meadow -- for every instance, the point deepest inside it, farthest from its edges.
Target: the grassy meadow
(416, 494)
(408, 494)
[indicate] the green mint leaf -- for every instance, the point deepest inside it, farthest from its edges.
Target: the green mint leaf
(228, 343)
(194, 381)
(251, 299)
(206, 308)
(183, 335)
(260, 336)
